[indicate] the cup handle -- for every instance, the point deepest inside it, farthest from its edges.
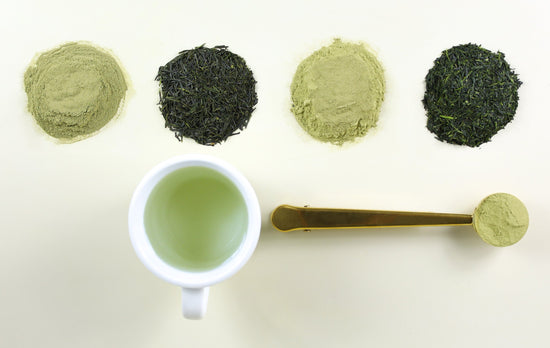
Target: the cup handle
(194, 302)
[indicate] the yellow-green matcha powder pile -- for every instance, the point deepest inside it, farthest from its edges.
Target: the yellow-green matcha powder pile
(74, 90)
(337, 92)
(501, 219)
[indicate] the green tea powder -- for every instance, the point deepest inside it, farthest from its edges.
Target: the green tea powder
(501, 219)
(74, 90)
(337, 92)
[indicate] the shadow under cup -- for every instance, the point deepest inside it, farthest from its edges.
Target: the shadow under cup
(195, 218)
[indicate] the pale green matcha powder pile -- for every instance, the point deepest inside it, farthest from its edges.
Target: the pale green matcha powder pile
(74, 90)
(501, 219)
(337, 92)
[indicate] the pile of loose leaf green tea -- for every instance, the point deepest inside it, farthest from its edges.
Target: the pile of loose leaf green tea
(206, 94)
(471, 94)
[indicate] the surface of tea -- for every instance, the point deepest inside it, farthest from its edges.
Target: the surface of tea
(195, 218)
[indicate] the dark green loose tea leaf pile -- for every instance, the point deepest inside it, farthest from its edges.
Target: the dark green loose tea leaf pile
(471, 94)
(206, 94)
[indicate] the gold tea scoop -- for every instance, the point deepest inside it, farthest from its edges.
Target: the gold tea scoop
(501, 219)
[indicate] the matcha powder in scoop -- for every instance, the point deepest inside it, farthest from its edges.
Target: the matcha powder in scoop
(337, 92)
(501, 219)
(74, 90)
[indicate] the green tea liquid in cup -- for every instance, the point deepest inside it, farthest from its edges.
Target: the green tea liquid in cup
(195, 218)
(194, 221)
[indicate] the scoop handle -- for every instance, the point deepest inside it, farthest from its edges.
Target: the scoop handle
(287, 218)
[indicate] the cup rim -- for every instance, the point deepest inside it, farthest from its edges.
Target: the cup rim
(143, 247)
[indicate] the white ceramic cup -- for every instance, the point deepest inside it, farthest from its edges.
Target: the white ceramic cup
(194, 284)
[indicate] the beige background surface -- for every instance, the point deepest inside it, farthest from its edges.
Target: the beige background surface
(68, 274)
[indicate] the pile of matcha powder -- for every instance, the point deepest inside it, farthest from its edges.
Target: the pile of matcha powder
(337, 92)
(74, 90)
(501, 219)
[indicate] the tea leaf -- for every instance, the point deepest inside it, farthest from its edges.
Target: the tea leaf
(471, 94)
(206, 94)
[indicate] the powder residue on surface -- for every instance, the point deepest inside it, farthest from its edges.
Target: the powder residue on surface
(74, 90)
(337, 92)
(501, 219)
